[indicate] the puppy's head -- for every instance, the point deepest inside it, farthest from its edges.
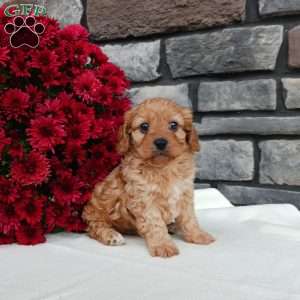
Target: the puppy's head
(158, 130)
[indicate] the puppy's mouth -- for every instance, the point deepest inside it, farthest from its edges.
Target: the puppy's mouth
(161, 157)
(161, 153)
(160, 160)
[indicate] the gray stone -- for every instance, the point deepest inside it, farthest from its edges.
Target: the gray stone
(225, 160)
(280, 162)
(249, 125)
(112, 19)
(279, 7)
(237, 95)
(291, 92)
(179, 93)
(200, 186)
(66, 11)
(140, 61)
(244, 195)
(294, 47)
(225, 51)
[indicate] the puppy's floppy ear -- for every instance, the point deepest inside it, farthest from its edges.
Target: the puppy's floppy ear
(193, 140)
(124, 133)
(191, 133)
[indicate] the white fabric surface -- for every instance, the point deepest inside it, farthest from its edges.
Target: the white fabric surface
(256, 256)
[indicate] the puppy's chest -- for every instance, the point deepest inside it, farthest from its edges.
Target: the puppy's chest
(170, 205)
(165, 194)
(175, 195)
(164, 187)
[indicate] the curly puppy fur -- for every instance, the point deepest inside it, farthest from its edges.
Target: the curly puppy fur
(152, 188)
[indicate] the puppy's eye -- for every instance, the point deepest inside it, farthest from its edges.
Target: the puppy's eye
(173, 126)
(144, 127)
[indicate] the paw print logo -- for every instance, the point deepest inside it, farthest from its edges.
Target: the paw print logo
(24, 32)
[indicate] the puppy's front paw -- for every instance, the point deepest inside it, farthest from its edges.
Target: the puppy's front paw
(165, 249)
(202, 238)
(111, 237)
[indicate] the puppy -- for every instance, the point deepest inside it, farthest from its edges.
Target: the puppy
(152, 188)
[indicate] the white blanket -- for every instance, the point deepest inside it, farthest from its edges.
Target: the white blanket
(256, 256)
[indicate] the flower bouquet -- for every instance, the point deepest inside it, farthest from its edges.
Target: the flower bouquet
(61, 105)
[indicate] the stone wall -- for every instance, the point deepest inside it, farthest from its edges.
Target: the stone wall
(236, 63)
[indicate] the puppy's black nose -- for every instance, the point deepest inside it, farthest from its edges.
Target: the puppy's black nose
(161, 144)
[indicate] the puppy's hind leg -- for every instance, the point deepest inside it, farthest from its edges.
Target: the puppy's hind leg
(99, 229)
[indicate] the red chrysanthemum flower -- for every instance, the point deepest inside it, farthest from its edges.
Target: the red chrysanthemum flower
(30, 210)
(105, 156)
(64, 51)
(120, 107)
(102, 153)
(66, 189)
(46, 60)
(58, 216)
(14, 103)
(74, 32)
(51, 109)
(20, 64)
(92, 172)
(52, 78)
(35, 95)
(66, 107)
(96, 55)
(4, 141)
(98, 152)
(109, 128)
(32, 169)
(6, 239)
(65, 104)
(117, 85)
(78, 133)
(83, 110)
(9, 219)
(80, 53)
(50, 217)
(86, 86)
(16, 150)
(73, 222)
(30, 235)
(98, 127)
(3, 55)
(86, 195)
(75, 153)
(58, 166)
(45, 133)
(70, 219)
(107, 70)
(4, 37)
(105, 95)
(78, 129)
(2, 79)
(49, 37)
(8, 190)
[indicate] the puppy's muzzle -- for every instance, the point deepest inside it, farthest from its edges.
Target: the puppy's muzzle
(160, 144)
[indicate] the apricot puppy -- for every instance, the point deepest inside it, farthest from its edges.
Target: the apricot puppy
(152, 188)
